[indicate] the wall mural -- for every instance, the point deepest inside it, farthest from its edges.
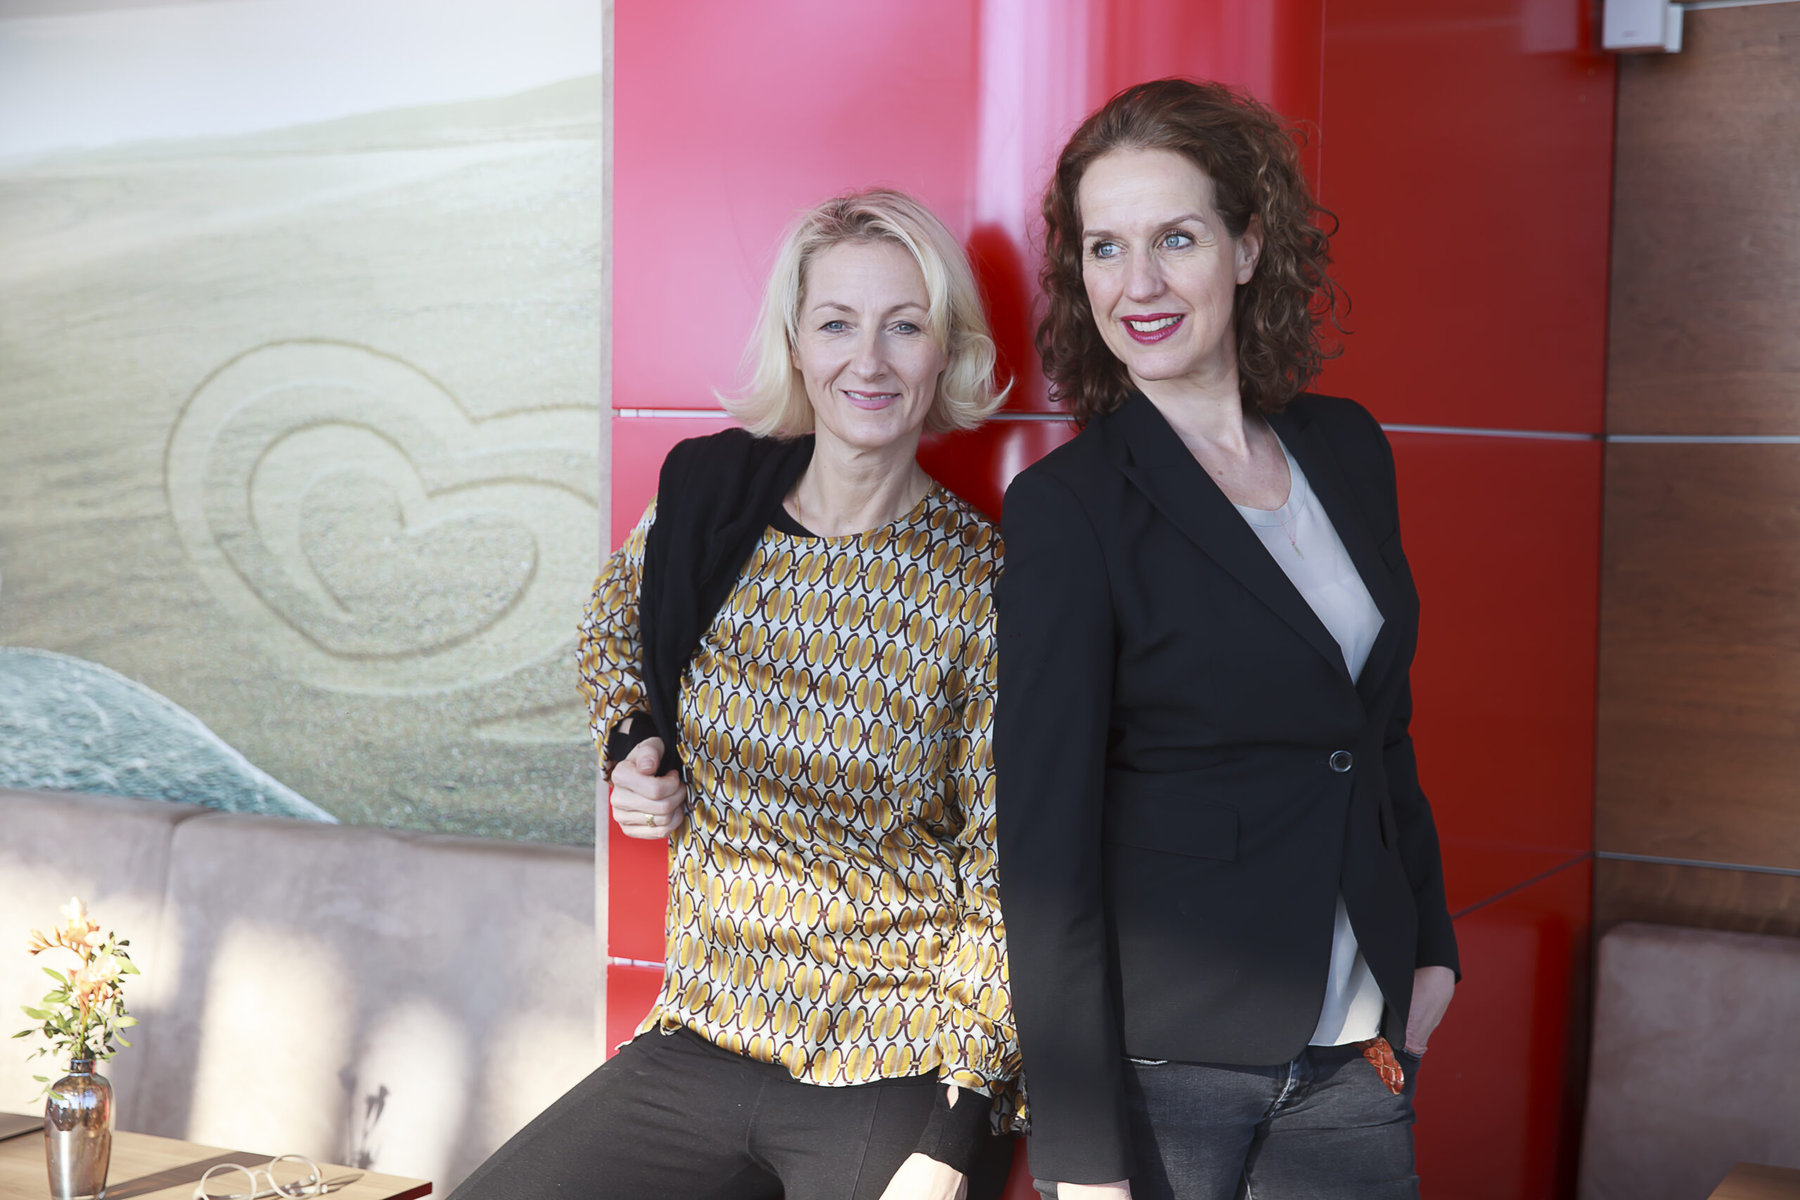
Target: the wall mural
(300, 411)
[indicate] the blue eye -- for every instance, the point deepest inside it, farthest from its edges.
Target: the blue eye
(905, 327)
(1105, 250)
(1176, 240)
(833, 327)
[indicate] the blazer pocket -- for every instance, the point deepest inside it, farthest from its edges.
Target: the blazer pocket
(1161, 813)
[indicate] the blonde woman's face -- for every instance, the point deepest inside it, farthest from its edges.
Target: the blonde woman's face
(865, 348)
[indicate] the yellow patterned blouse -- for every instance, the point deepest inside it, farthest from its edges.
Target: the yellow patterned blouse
(832, 901)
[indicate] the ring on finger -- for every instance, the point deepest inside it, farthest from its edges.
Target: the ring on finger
(649, 818)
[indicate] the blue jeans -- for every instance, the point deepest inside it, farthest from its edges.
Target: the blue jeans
(1322, 1127)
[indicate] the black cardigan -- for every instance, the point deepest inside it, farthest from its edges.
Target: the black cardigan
(714, 498)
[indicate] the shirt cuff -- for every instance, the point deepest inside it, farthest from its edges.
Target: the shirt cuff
(954, 1136)
(619, 745)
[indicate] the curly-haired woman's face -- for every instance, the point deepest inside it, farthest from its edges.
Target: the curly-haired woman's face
(1161, 268)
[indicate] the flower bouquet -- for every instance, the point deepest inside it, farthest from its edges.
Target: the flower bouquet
(80, 1020)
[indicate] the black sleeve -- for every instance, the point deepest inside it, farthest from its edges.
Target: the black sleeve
(620, 743)
(1419, 851)
(1419, 842)
(1053, 712)
(954, 1135)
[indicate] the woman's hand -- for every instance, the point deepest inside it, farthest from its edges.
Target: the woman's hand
(647, 805)
(1432, 989)
(922, 1177)
(1094, 1191)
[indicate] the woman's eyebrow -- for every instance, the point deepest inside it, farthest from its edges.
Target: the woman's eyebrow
(840, 306)
(1189, 216)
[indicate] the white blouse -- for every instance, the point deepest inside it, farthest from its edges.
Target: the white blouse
(1304, 544)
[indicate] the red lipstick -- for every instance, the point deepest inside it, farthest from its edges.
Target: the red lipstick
(1150, 328)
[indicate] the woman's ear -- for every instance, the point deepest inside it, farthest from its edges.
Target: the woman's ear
(1249, 249)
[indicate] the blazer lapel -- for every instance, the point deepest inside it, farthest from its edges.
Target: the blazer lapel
(1315, 456)
(1152, 456)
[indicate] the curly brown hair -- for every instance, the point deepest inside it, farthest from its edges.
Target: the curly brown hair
(1252, 158)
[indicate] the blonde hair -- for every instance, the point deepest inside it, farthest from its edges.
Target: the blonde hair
(775, 404)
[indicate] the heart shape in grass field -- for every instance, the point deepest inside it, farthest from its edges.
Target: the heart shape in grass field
(373, 535)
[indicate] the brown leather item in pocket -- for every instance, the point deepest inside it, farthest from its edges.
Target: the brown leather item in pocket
(1381, 1057)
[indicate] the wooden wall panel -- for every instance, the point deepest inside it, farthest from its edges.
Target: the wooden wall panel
(1706, 233)
(1708, 897)
(1699, 700)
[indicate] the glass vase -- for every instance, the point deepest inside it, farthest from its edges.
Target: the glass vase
(78, 1131)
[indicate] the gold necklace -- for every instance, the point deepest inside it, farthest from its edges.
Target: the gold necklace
(1288, 521)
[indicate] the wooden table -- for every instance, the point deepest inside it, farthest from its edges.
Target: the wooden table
(1748, 1181)
(154, 1168)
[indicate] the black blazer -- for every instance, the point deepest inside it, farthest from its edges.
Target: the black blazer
(1187, 776)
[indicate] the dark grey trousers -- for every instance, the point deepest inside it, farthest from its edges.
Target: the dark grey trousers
(677, 1118)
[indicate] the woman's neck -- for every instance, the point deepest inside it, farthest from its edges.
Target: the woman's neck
(848, 490)
(1236, 448)
(1208, 417)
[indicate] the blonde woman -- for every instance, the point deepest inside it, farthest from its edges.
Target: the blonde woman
(790, 669)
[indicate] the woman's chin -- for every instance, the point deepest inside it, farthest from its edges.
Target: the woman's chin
(1145, 377)
(874, 433)
(1152, 363)
(1150, 371)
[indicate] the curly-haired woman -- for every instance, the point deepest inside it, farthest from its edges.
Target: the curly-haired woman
(1223, 893)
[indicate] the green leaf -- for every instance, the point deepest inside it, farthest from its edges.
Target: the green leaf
(57, 975)
(126, 1022)
(37, 1014)
(122, 1042)
(24, 1033)
(126, 967)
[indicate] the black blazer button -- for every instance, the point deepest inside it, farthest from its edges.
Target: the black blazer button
(1341, 761)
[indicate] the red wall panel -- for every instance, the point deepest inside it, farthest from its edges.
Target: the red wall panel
(729, 119)
(1499, 1094)
(1468, 153)
(978, 464)
(1504, 539)
(630, 993)
(1269, 49)
(1466, 150)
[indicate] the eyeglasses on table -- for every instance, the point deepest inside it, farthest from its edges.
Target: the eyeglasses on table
(288, 1176)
